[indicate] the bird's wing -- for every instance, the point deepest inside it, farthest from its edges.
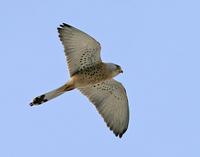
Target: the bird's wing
(81, 50)
(110, 99)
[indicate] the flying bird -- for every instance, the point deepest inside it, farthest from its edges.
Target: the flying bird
(93, 78)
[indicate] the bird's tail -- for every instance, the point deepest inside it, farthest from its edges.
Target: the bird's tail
(52, 94)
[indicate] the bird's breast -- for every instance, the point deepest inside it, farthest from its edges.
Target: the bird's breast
(90, 75)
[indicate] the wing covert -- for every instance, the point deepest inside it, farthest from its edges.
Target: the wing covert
(110, 99)
(81, 50)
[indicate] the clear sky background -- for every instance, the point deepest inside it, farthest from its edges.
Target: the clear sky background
(156, 42)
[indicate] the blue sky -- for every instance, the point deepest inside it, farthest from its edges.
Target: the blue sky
(155, 42)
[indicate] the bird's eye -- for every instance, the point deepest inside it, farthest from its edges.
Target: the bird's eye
(118, 67)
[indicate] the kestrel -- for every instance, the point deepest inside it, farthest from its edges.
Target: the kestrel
(93, 78)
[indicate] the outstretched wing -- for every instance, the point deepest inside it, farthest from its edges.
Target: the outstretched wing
(81, 49)
(111, 101)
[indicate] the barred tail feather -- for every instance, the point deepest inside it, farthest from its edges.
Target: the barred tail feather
(52, 94)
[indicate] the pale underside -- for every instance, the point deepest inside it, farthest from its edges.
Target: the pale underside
(81, 50)
(109, 97)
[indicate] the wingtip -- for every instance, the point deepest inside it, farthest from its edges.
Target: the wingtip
(64, 24)
(119, 134)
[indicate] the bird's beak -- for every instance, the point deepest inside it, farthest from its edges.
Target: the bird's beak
(121, 71)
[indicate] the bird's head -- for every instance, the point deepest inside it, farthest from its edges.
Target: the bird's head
(118, 69)
(114, 69)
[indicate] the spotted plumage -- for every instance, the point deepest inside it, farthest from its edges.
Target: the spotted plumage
(93, 78)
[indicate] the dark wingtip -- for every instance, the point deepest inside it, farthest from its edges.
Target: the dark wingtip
(64, 24)
(121, 134)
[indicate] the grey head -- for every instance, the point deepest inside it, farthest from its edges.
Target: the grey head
(114, 69)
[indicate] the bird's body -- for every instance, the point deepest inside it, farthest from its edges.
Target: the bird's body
(90, 75)
(93, 78)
